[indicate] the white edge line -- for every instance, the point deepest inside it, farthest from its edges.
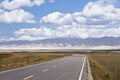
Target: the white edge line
(26, 78)
(24, 67)
(45, 70)
(81, 73)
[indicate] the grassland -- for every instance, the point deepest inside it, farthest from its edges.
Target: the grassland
(15, 60)
(105, 66)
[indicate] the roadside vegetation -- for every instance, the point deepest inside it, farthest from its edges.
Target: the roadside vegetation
(15, 60)
(105, 66)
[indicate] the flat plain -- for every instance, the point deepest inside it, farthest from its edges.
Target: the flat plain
(21, 59)
(105, 65)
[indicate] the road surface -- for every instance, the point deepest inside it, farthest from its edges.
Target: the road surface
(68, 68)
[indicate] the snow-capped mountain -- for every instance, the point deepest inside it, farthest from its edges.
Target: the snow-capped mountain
(104, 42)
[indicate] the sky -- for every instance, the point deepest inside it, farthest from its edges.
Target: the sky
(42, 19)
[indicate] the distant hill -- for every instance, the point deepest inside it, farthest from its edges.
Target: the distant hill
(63, 42)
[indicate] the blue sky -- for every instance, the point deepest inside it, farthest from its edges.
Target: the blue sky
(39, 19)
(64, 6)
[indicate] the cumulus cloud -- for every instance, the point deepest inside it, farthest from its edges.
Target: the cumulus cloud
(57, 18)
(98, 11)
(97, 19)
(34, 33)
(15, 4)
(66, 31)
(86, 32)
(94, 13)
(16, 16)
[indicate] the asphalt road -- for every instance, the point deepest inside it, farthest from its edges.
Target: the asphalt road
(68, 68)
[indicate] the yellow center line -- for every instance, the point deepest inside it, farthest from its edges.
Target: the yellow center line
(45, 70)
(26, 78)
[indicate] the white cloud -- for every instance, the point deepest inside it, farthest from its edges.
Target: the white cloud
(97, 19)
(34, 33)
(86, 32)
(16, 16)
(1, 11)
(57, 18)
(65, 31)
(93, 9)
(15, 4)
(27, 37)
(78, 18)
(38, 2)
(94, 13)
(51, 1)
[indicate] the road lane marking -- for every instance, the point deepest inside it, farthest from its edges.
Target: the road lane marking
(26, 78)
(45, 70)
(55, 66)
(81, 73)
(21, 68)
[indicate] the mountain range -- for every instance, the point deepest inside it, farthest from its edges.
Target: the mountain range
(65, 42)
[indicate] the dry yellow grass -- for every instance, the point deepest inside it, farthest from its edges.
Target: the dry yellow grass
(15, 60)
(105, 66)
